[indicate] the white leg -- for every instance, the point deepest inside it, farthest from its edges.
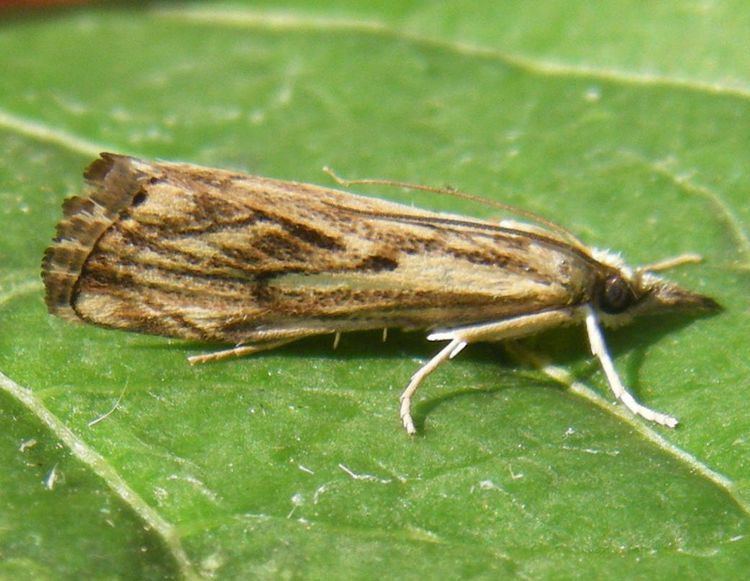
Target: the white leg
(445, 353)
(510, 328)
(599, 349)
(462, 336)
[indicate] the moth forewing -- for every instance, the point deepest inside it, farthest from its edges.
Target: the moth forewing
(211, 255)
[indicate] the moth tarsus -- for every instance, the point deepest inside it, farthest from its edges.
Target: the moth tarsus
(212, 255)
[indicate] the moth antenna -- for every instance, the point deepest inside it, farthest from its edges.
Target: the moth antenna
(450, 191)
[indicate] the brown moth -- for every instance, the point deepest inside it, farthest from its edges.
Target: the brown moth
(212, 255)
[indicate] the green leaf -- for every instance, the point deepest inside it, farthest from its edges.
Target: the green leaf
(624, 122)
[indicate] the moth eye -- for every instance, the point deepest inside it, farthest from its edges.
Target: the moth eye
(616, 295)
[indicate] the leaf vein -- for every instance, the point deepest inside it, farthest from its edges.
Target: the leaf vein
(275, 20)
(105, 471)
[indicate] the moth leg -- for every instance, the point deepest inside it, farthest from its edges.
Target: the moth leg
(239, 351)
(510, 328)
(462, 336)
(263, 341)
(599, 349)
(451, 350)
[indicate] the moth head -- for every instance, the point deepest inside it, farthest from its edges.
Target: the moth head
(621, 293)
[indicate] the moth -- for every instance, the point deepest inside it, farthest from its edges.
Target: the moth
(218, 256)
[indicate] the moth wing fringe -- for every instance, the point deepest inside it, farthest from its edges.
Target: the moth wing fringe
(113, 180)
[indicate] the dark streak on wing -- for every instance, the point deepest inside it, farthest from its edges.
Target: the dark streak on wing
(437, 222)
(377, 263)
(213, 211)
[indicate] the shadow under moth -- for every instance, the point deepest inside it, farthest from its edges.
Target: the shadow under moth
(218, 256)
